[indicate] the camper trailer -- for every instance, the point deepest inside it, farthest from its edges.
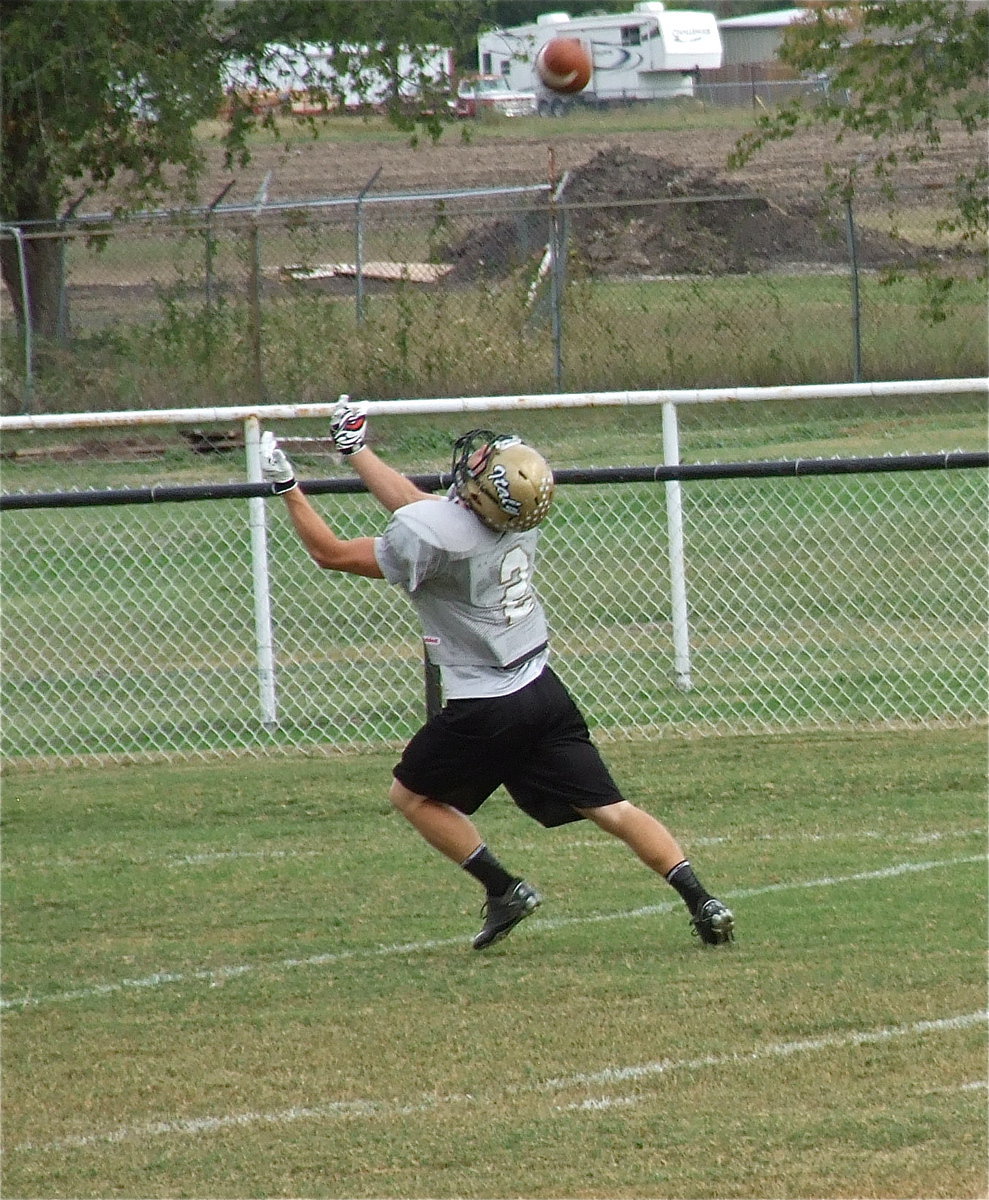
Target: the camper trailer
(650, 53)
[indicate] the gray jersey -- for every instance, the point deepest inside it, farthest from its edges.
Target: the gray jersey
(471, 587)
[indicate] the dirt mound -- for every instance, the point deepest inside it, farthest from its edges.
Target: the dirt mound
(633, 214)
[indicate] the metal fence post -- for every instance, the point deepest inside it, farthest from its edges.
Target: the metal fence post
(359, 247)
(557, 278)
(853, 261)
(254, 297)
(263, 636)
(211, 243)
(674, 534)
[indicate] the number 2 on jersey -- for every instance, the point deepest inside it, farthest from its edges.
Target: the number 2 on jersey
(517, 599)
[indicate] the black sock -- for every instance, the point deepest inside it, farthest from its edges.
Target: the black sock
(485, 868)
(682, 877)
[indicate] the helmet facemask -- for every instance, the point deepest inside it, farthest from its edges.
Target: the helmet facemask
(502, 480)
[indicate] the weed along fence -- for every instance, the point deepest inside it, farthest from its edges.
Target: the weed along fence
(184, 619)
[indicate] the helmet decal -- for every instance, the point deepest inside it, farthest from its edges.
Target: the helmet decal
(506, 483)
(499, 481)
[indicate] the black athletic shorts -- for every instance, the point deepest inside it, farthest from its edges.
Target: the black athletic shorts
(535, 742)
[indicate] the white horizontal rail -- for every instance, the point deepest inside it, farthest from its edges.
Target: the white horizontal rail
(520, 403)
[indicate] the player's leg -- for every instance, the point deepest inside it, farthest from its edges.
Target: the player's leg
(641, 832)
(443, 827)
(509, 899)
(659, 850)
(566, 778)
(446, 773)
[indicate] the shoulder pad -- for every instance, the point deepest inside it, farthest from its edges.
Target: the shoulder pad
(445, 525)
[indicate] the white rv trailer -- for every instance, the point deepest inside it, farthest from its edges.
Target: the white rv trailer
(650, 53)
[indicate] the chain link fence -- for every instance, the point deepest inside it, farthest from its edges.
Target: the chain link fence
(752, 85)
(828, 602)
(627, 273)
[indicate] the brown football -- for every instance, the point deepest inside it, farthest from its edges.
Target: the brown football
(564, 65)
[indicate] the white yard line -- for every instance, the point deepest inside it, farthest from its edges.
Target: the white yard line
(974, 1085)
(108, 855)
(368, 1109)
(611, 1075)
(217, 975)
(848, 835)
(205, 858)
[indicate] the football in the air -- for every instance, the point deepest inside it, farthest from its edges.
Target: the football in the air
(564, 65)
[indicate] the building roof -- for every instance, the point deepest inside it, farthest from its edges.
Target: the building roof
(770, 20)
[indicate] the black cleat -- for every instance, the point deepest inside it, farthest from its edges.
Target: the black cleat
(714, 923)
(503, 913)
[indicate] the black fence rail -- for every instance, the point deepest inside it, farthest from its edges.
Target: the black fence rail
(781, 468)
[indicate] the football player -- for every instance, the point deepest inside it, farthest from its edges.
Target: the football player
(466, 561)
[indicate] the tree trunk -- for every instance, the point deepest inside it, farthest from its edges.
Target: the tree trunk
(32, 198)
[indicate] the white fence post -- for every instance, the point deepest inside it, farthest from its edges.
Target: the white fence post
(674, 534)
(264, 639)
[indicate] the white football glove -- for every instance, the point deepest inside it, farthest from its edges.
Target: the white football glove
(275, 467)
(348, 426)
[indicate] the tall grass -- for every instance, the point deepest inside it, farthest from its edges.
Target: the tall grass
(447, 342)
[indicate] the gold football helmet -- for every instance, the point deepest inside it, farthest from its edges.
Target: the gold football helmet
(505, 482)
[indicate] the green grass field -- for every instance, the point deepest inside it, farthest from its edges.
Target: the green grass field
(252, 979)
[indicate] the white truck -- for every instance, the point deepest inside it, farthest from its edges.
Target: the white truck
(650, 53)
(481, 94)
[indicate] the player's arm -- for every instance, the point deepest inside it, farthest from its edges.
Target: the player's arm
(389, 487)
(353, 555)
